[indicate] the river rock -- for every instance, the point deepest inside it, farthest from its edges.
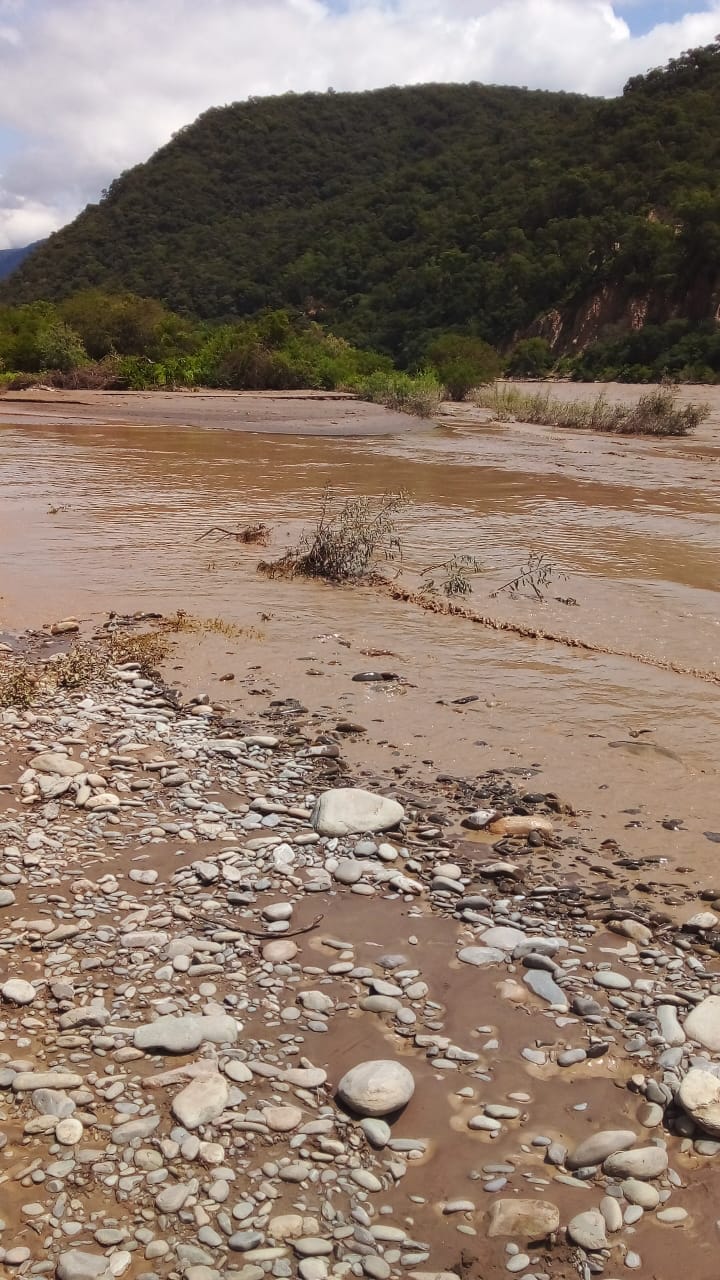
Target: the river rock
(703, 1023)
(169, 1034)
(699, 1096)
(346, 811)
(600, 1146)
(18, 991)
(588, 1230)
(376, 1088)
(201, 1101)
(56, 762)
(75, 1264)
(280, 952)
(504, 937)
(481, 956)
(644, 1163)
(529, 1219)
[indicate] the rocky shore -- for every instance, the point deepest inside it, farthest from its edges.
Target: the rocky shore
(265, 1016)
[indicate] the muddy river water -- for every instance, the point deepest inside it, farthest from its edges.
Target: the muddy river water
(103, 504)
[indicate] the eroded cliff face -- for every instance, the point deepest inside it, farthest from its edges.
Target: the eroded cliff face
(612, 311)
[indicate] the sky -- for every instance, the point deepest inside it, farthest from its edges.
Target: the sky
(90, 87)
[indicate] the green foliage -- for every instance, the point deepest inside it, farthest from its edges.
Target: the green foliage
(420, 394)
(463, 362)
(35, 337)
(530, 358)
(678, 351)
(400, 214)
(127, 324)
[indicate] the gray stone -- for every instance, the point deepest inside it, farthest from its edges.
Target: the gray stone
(644, 1163)
(377, 1132)
(504, 937)
(376, 1088)
(57, 762)
(544, 986)
(345, 811)
(588, 1230)
(75, 1264)
(670, 1028)
(481, 956)
(640, 1193)
(596, 1149)
(169, 1034)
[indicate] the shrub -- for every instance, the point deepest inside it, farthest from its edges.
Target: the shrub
(347, 540)
(530, 358)
(463, 362)
(420, 394)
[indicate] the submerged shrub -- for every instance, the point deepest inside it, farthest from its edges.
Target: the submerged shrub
(347, 541)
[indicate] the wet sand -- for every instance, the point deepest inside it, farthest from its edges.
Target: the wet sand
(297, 413)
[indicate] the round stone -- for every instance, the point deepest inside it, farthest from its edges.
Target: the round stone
(376, 1088)
(18, 991)
(280, 951)
(282, 1119)
(68, 1131)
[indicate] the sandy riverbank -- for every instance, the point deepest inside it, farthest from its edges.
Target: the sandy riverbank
(297, 413)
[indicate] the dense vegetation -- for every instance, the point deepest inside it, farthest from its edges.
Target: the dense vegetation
(121, 341)
(397, 216)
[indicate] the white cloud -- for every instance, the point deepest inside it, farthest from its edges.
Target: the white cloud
(93, 86)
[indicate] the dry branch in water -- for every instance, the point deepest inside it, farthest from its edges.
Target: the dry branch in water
(257, 534)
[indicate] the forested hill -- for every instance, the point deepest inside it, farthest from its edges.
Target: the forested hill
(397, 214)
(10, 259)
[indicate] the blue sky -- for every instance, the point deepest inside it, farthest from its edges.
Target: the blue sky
(90, 87)
(642, 15)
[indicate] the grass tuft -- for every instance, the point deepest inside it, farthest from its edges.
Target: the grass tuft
(656, 413)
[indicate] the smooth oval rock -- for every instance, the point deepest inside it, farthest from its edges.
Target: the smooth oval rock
(376, 1088)
(643, 1163)
(597, 1149)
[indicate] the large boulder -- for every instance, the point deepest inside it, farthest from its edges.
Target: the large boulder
(699, 1096)
(527, 1219)
(347, 811)
(376, 1088)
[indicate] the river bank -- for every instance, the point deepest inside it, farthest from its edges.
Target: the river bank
(161, 856)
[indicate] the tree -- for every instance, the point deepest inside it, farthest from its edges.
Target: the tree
(462, 362)
(530, 358)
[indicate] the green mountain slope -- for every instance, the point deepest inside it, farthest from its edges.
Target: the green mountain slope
(398, 214)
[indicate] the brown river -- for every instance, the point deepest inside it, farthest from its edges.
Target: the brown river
(103, 501)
